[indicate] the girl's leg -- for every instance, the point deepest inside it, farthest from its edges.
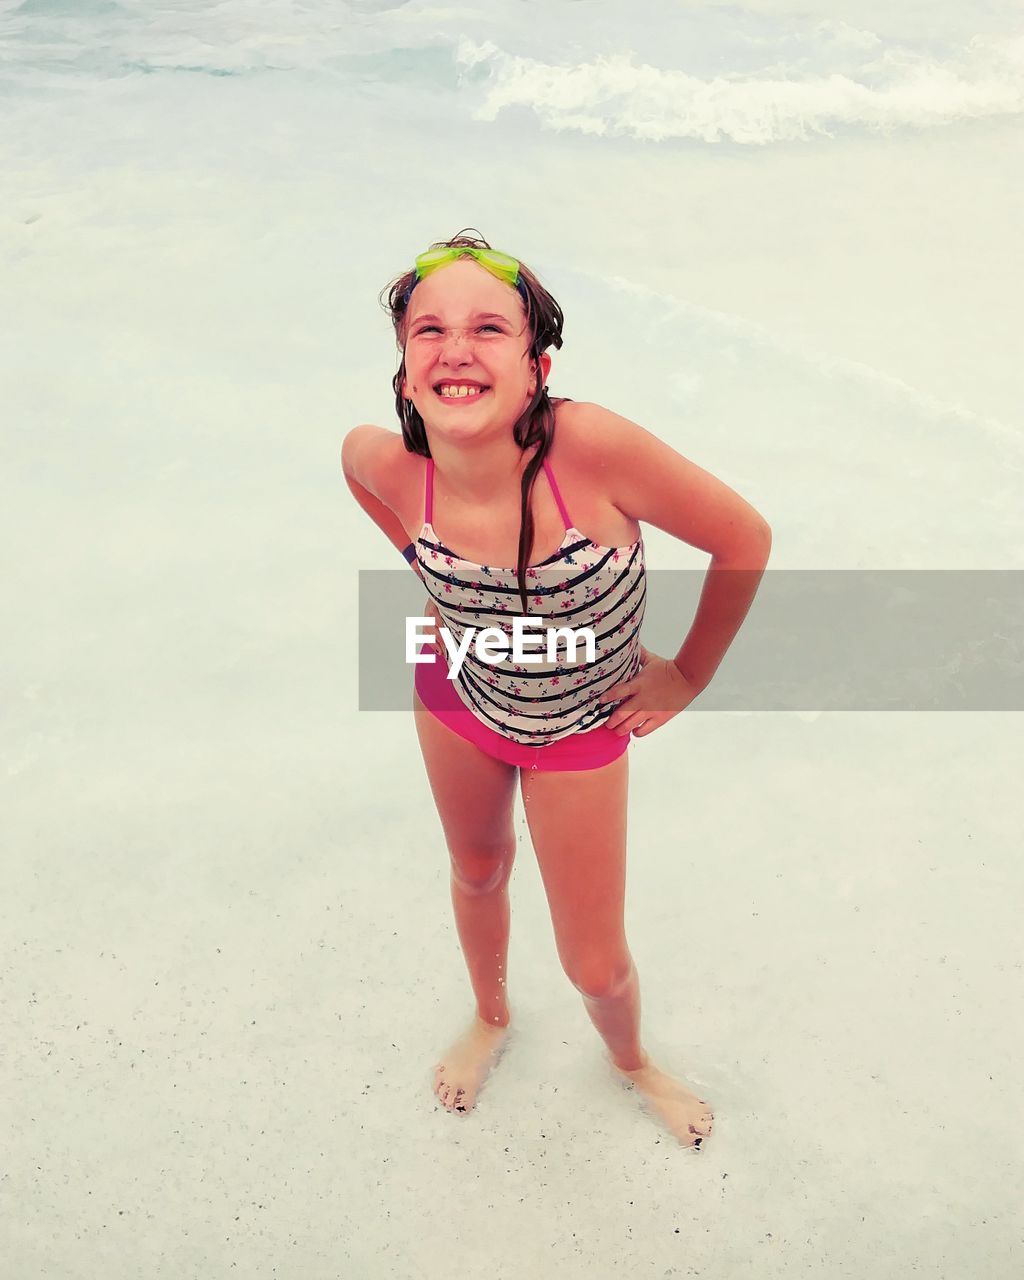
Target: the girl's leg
(577, 822)
(474, 794)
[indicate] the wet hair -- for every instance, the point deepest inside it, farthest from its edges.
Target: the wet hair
(535, 426)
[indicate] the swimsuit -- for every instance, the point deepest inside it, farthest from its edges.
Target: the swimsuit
(544, 715)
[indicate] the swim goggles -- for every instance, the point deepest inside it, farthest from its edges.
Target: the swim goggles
(498, 264)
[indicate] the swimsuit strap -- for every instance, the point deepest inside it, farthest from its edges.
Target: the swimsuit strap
(558, 497)
(428, 492)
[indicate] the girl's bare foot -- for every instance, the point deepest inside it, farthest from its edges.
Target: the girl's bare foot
(463, 1069)
(687, 1116)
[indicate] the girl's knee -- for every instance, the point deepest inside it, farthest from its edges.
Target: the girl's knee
(601, 977)
(479, 870)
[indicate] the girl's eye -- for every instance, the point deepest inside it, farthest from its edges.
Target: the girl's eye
(432, 328)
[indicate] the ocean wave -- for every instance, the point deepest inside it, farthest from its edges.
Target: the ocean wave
(615, 95)
(709, 73)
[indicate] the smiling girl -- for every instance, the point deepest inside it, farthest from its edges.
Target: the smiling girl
(509, 503)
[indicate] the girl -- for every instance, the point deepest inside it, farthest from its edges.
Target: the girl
(478, 434)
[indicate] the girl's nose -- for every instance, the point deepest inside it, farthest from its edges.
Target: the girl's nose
(456, 352)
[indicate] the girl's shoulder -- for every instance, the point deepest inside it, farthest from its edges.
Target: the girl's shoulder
(587, 464)
(588, 438)
(378, 459)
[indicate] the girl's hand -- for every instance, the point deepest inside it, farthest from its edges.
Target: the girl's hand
(656, 693)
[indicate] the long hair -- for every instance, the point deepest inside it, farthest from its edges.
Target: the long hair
(535, 426)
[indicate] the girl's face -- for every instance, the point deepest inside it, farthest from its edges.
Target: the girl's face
(465, 326)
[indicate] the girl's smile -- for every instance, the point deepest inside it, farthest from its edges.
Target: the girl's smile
(454, 395)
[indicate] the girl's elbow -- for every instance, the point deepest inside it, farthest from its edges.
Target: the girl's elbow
(748, 546)
(761, 539)
(756, 530)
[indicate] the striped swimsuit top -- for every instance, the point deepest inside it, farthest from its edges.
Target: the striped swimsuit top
(581, 585)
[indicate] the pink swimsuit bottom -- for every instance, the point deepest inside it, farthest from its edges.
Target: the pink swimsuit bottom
(579, 751)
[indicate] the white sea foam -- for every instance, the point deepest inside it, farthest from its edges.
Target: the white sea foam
(616, 95)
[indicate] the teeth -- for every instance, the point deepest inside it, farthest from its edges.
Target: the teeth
(452, 393)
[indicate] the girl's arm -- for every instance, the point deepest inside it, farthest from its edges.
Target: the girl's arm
(361, 461)
(651, 482)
